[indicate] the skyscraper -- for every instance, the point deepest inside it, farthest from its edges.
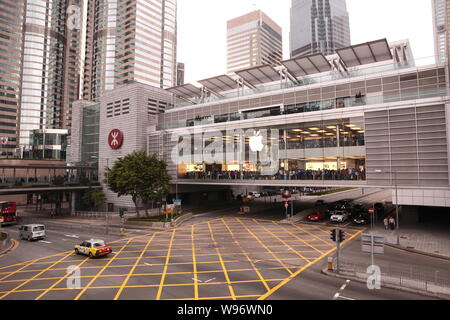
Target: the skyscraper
(127, 41)
(253, 39)
(50, 64)
(318, 26)
(441, 20)
(11, 24)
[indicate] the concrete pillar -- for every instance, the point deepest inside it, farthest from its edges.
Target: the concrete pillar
(72, 203)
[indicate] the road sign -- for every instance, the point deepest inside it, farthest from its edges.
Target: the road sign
(177, 203)
(378, 243)
(286, 195)
(286, 205)
(371, 210)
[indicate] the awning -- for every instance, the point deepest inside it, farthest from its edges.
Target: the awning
(259, 75)
(303, 66)
(365, 53)
(219, 84)
(186, 91)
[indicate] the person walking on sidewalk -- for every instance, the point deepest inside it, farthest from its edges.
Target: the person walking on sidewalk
(386, 223)
(392, 223)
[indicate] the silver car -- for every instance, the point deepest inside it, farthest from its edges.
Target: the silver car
(32, 232)
(339, 216)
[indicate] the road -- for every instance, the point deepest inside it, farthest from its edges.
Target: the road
(216, 255)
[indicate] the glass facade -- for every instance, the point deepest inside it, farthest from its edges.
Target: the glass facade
(319, 150)
(90, 134)
(318, 26)
(48, 145)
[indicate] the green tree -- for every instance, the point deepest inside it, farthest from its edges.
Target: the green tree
(93, 198)
(142, 177)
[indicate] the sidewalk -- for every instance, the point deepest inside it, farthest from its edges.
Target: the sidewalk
(420, 239)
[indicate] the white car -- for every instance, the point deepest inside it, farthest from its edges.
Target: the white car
(339, 216)
(255, 194)
(32, 232)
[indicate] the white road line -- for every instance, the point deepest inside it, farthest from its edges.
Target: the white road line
(48, 242)
(196, 280)
(72, 236)
(336, 296)
(210, 280)
(346, 298)
(148, 264)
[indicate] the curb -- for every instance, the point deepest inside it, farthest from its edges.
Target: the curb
(433, 255)
(9, 247)
(384, 285)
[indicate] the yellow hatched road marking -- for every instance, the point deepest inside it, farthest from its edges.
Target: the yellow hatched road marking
(295, 236)
(101, 271)
(285, 243)
(163, 277)
(248, 258)
(37, 275)
(59, 281)
(133, 268)
(317, 228)
(282, 283)
(230, 287)
(267, 249)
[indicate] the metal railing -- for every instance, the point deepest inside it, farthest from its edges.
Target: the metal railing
(420, 278)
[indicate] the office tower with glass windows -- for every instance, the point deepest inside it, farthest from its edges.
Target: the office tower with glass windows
(441, 20)
(11, 24)
(46, 36)
(318, 26)
(129, 41)
(253, 39)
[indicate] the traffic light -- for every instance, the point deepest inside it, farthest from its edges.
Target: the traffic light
(333, 235)
(341, 236)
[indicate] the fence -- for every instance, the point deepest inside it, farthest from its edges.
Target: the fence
(420, 278)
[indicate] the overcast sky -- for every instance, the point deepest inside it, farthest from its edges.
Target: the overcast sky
(202, 28)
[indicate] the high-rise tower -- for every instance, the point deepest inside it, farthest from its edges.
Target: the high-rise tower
(127, 41)
(253, 39)
(318, 26)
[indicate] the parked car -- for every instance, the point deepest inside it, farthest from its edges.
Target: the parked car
(32, 232)
(358, 209)
(339, 216)
(361, 219)
(255, 194)
(317, 216)
(93, 248)
(345, 205)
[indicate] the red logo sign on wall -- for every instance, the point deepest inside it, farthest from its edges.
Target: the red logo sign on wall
(115, 139)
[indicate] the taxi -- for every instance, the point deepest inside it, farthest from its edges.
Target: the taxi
(93, 248)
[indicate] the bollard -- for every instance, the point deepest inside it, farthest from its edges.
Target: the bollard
(330, 263)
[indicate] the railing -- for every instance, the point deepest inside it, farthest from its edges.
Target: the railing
(316, 79)
(306, 107)
(426, 279)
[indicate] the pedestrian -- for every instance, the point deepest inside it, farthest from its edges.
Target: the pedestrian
(392, 223)
(386, 223)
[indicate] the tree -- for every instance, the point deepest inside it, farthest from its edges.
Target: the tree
(94, 198)
(139, 176)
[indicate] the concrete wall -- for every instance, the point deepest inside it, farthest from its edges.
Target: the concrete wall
(132, 112)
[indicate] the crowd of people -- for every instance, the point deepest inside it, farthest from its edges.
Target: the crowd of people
(217, 174)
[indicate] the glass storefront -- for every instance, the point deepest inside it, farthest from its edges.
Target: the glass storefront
(319, 150)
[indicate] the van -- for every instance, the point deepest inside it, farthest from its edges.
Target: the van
(32, 232)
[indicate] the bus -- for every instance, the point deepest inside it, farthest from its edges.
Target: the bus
(8, 212)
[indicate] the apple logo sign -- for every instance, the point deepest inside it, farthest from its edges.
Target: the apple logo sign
(256, 144)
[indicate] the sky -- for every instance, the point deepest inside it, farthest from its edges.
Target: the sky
(202, 28)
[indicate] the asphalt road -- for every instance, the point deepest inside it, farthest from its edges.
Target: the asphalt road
(216, 255)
